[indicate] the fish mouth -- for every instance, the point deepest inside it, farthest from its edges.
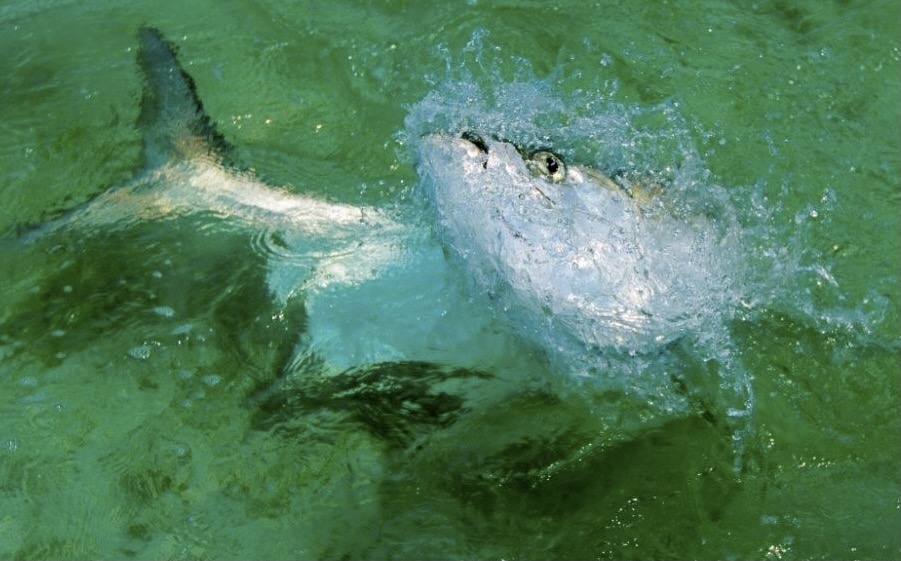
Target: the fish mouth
(476, 140)
(495, 151)
(542, 162)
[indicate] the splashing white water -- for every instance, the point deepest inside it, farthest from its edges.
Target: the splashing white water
(607, 281)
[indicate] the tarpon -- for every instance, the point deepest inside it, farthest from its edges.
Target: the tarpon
(580, 262)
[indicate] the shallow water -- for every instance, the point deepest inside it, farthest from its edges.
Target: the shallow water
(138, 415)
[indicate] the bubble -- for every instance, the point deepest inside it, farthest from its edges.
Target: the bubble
(141, 352)
(11, 445)
(28, 381)
(164, 311)
(182, 452)
(211, 380)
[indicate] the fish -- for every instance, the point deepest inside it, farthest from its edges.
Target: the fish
(587, 265)
(407, 318)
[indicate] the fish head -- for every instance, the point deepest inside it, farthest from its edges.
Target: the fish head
(568, 252)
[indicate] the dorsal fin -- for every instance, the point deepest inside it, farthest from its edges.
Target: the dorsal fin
(172, 117)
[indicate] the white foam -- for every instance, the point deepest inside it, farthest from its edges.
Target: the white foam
(602, 282)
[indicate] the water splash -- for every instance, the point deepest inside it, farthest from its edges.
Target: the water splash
(688, 246)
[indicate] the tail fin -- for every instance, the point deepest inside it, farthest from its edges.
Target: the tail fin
(174, 125)
(172, 117)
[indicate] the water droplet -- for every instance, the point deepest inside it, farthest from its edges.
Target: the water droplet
(141, 352)
(164, 311)
(28, 381)
(11, 445)
(182, 452)
(211, 380)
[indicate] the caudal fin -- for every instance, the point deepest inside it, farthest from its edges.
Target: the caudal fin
(174, 127)
(172, 118)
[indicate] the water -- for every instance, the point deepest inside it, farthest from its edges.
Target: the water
(137, 412)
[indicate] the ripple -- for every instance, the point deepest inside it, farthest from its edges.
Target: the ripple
(271, 243)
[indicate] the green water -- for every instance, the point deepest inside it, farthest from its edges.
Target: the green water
(127, 358)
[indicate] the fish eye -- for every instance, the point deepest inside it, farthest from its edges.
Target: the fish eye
(551, 164)
(548, 164)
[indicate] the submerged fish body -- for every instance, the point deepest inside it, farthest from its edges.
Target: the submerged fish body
(582, 262)
(351, 267)
(189, 168)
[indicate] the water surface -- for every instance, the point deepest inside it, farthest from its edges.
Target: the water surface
(137, 412)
